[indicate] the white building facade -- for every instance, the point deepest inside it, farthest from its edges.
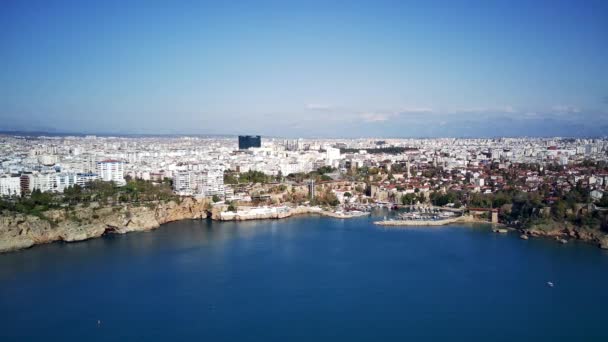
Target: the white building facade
(111, 171)
(10, 186)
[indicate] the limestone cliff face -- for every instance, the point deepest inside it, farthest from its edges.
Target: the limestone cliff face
(20, 231)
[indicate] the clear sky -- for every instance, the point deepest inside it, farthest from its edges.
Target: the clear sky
(290, 68)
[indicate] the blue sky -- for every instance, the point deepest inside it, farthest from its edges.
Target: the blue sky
(289, 68)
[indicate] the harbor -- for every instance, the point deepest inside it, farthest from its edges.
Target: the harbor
(428, 216)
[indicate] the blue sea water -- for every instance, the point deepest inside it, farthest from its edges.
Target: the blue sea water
(305, 279)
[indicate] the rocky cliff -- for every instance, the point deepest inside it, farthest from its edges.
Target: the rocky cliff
(19, 231)
(568, 231)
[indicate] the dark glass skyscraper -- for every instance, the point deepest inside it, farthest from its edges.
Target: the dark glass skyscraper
(247, 141)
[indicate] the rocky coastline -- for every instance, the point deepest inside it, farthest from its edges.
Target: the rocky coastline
(18, 231)
(562, 232)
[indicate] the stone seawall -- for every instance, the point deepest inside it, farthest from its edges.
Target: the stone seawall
(460, 219)
(19, 231)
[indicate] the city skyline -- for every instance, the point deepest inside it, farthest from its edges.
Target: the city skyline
(303, 170)
(365, 69)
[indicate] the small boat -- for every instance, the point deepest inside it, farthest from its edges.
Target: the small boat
(550, 284)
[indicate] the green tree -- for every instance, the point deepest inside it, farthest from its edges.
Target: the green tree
(232, 207)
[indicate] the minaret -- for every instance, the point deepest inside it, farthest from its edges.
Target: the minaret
(311, 189)
(407, 165)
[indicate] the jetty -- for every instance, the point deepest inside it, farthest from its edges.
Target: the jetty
(431, 222)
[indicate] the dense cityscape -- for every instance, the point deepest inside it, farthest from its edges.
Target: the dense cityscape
(303, 170)
(524, 180)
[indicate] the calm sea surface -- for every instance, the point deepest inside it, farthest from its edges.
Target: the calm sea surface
(305, 279)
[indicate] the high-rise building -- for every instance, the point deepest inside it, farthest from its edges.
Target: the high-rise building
(332, 154)
(211, 182)
(248, 141)
(293, 145)
(182, 183)
(111, 170)
(206, 183)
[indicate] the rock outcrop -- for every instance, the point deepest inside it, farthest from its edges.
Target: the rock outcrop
(563, 231)
(603, 243)
(19, 231)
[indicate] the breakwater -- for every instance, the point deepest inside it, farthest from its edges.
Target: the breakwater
(441, 222)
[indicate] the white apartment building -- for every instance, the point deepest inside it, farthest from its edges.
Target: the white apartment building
(10, 186)
(42, 181)
(206, 183)
(58, 181)
(83, 178)
(111, 171)
(63, 181)
(210, 182)
(332, 154)
(182, 184)
(295, 166)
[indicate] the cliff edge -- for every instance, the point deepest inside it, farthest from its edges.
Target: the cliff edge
(18, 231)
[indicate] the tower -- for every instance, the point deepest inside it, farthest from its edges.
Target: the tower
(311, 189)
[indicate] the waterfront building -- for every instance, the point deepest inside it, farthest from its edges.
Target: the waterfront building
(111, 170)
(206, 183)
(210, 183)
(182, 183)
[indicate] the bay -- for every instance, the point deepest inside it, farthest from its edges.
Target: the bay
(303, 279)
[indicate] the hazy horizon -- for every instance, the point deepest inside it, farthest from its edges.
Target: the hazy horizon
(287, 136)
(306, 69)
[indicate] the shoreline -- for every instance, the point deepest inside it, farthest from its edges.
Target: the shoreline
(18, 232)
(263, 213)
(432, 223)
(561, 235)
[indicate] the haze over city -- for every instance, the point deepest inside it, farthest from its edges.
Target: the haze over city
(311, 68)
